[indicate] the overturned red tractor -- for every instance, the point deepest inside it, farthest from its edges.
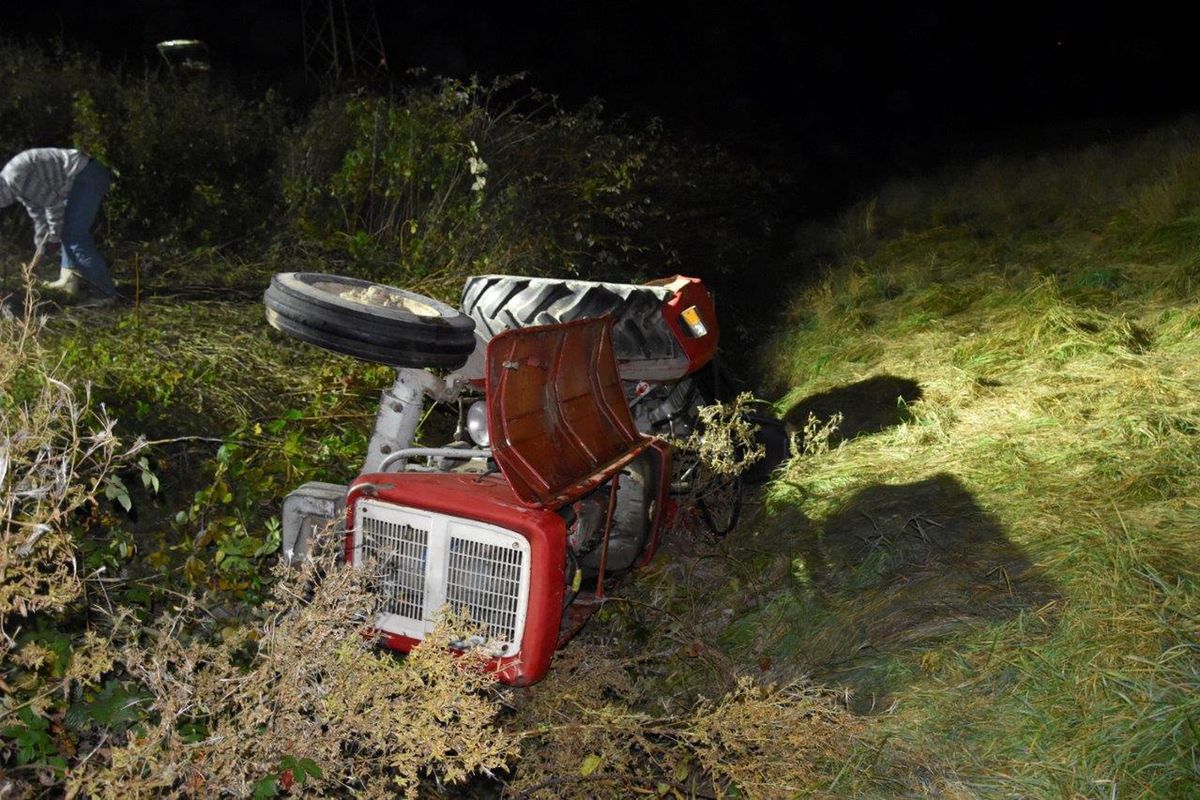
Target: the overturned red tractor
(560, 476)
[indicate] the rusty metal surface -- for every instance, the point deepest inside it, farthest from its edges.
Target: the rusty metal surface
(557, 416)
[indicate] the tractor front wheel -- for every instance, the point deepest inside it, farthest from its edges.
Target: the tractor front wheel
(368, 320)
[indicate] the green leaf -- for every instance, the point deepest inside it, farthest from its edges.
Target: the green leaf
(114, 706)
(33, 742)
(115, 489)
(267, 787)
(590, 764)
(269, 544)
(137, 595)
(149, 479)
(301, 768)
(192, 732)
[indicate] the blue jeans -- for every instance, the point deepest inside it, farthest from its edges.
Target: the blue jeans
(79, 251)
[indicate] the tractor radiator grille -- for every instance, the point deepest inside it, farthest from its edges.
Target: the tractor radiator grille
(429, 562)
(485, 580)
(400, 552)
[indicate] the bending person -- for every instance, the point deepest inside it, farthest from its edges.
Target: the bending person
(61, 190)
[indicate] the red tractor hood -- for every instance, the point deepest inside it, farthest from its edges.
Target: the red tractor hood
(557, 417)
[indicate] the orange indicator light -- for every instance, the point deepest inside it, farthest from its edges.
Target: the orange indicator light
(695, 325)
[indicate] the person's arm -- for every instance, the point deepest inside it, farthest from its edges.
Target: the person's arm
(41, 223)
(54, 221)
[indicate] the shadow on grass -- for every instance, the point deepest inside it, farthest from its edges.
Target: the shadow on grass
(877, 586)
(868, 406)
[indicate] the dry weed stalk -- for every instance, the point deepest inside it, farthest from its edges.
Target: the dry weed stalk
(711, 460)
(56, 450)
(815, 439)
(724, 438)
(307, 682)
(226, 713)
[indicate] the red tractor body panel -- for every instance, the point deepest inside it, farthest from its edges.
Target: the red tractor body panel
(700, 348)
(560, 427)
(488, 499)
(557, 416)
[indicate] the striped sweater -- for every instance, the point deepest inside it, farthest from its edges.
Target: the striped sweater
(41, 179)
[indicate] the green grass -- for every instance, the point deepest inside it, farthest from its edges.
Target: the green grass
(1008, 579)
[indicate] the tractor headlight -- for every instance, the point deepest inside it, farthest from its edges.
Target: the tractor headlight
(477, 423)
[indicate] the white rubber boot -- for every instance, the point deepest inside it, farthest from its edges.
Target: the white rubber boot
(67, 283)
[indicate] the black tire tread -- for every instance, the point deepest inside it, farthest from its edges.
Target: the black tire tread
(374, 332)
(399, 355)
(497, 302)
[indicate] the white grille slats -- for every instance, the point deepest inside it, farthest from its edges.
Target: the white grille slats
(485, 580)
(430, 561)
(400, 552)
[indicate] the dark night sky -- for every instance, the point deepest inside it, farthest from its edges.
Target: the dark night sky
(840, 88)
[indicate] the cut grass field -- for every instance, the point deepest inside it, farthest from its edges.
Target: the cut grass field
(1003, 565)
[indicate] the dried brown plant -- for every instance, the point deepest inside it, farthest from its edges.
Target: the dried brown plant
(56, 452)
(593, 730)
(306, 684)
(724, 439)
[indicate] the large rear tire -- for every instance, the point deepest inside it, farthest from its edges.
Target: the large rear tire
(368, 320)
(640, 331)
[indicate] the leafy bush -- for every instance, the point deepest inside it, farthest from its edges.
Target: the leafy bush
(194, 162)
(453, 177)
(423, 187)
(36, 88)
